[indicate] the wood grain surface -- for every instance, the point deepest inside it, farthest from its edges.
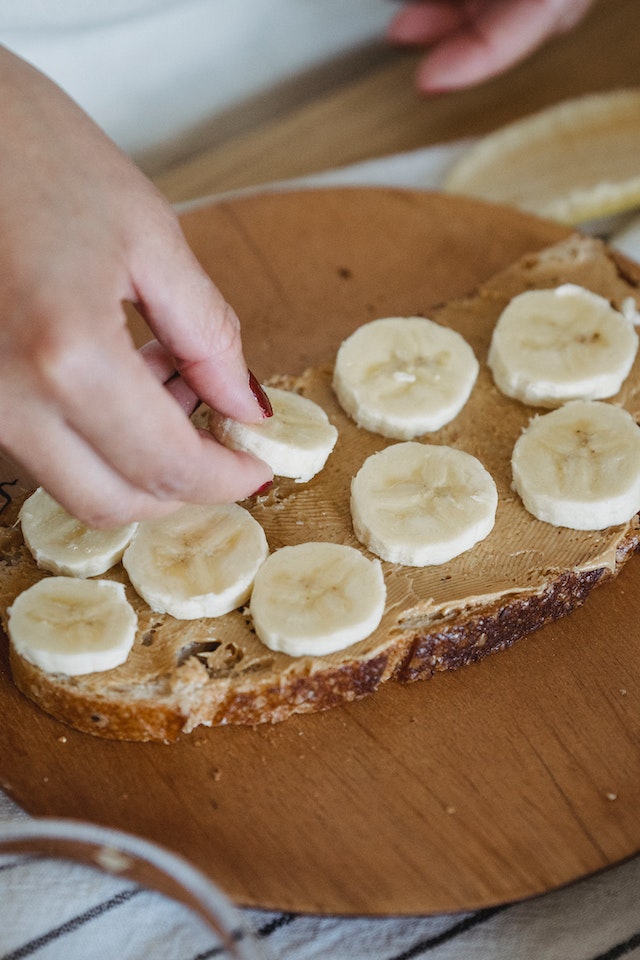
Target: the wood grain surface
(494, 783)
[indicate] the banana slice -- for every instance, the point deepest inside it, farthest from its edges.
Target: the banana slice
(579, 466)
(402, 377)
(316, 598)
(71, 626)
(550, 346)
(421, 505)
(197, 562)
(61, 544)
(296, 441)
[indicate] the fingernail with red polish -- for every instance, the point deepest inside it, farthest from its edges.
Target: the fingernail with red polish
(261, 397)
(263, 489)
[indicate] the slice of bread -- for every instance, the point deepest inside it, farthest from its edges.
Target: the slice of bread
(181, 674)
(573, 161)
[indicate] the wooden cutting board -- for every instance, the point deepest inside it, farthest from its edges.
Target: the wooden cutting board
(497, 782)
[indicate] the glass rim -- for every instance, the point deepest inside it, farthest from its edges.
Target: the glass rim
(126, 855)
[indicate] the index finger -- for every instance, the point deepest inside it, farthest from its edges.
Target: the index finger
(195, 324)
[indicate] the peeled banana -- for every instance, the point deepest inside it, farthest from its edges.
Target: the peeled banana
(61, 544)
(402, 377)
(316, 598)
(71, 626)
(550, 346)
(579, 466)
(296, 441)
(197, 562)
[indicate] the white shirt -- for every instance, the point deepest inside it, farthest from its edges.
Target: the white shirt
(149, 71)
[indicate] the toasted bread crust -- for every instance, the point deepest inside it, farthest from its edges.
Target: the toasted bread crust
(471, 638)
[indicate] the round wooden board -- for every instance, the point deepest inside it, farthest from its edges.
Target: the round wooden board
(498, 782)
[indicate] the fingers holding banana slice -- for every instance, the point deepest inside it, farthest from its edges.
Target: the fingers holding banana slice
(551, 346)
(421, 505)
(296, 441)
(579, 466)
(402, 377)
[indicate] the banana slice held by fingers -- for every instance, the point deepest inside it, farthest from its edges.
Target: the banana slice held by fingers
(71, 626)
(402, 377)
(420, 504)
(579, 466)
(296, 441)
(197, 562)
(550, 346)
(316, 598)
(63, 545)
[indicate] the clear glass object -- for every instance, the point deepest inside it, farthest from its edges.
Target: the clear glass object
(69, 888)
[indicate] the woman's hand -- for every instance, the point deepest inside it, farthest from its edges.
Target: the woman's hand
(472, 40)
(81, 231)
